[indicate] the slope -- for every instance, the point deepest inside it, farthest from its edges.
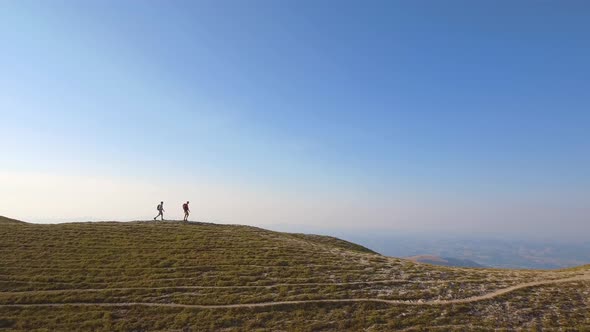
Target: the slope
(4, 220)
(153, 276)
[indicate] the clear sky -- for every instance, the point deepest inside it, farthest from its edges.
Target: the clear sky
(393, 115)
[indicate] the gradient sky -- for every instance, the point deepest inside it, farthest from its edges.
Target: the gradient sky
(469, 116)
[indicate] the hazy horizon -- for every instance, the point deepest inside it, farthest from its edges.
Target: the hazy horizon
(459, 117)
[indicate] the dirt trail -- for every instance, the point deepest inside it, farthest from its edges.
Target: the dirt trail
(371, 282)
(82, 290)
(488, 296)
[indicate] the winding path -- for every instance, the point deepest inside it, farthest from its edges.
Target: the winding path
(304, 284)
(584, 277)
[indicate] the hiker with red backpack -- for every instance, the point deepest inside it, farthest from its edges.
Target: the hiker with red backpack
(186, 210)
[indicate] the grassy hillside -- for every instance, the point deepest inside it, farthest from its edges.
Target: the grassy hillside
(192, 277)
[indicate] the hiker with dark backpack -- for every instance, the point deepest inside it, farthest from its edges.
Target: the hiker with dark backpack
(160, 209)
(186, 211)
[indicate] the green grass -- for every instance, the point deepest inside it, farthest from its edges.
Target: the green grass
(209, 264)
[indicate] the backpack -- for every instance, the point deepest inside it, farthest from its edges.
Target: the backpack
(159, 207)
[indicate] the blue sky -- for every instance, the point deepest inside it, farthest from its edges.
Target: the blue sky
(346, 107)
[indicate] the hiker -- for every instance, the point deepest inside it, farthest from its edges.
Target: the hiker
(186, 210)
(160, 209)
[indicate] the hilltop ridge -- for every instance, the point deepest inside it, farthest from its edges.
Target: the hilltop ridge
(6, 220)
(200, 276)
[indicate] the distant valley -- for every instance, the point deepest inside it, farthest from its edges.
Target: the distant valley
(490, 252)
